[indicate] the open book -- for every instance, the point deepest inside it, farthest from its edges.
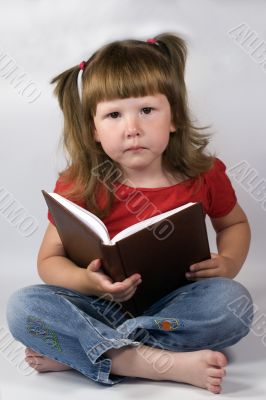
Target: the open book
(160, 248)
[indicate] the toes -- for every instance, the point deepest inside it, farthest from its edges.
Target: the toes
(30, 352)
(216, 372)
(214, 389)
(37, 364)
(214, 381)
(217, 359)
(33, 362)
(221, 359)
(40, 368)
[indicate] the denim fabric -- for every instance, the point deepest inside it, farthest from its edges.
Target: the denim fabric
(77, 330)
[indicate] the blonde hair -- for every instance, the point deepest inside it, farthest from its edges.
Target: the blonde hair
(122, 69)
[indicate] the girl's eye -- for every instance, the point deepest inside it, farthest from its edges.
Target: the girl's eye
(114, 114)
(147, 110)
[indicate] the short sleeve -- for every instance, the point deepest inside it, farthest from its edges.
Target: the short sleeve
(59, 188)
(221, 197)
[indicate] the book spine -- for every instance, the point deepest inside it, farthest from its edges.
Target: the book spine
(114, 267)
(205, 231)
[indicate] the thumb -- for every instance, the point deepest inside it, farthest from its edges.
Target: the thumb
(95, 265)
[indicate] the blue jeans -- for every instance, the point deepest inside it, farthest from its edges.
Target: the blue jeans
(77, 330)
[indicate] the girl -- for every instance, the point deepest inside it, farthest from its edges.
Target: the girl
(126, 107)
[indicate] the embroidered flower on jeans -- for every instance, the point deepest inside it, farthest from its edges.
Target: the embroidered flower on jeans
(37, 327)
(169, 324)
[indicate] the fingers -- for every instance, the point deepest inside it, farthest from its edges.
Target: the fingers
(206, 273)
(122, 291)
(131, 280)
(125, 285)
(95, 265)
(126, 295)
(211, 263)
(132, 288)
(205, 269)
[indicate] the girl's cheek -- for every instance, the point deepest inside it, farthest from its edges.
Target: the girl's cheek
(110, 148)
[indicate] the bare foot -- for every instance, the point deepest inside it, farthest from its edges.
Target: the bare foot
(43, 364)
(203, 368)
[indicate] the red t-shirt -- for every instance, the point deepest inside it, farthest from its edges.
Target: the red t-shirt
(132, 205)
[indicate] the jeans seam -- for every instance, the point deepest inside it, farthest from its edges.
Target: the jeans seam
(83, 315)
(212, 345)
(103, 376)
(232, 338)
(106, 345)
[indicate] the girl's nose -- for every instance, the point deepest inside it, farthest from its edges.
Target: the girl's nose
(132, 132)
(132, 127)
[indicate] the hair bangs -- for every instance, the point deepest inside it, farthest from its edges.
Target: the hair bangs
(123, 73)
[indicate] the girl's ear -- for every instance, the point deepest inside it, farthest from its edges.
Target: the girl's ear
(96, 136)
(172, 127)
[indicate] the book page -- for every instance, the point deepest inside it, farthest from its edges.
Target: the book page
(88, 218)
(147, 222)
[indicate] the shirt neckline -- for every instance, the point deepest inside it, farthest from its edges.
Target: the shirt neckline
(144, 189)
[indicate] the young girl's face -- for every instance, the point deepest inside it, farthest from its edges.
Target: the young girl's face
(134, 131)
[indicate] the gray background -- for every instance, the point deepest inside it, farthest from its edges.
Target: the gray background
(226, 86)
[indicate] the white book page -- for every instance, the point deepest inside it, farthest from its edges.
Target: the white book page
(149, 221)
(97, 226)
(88, 218)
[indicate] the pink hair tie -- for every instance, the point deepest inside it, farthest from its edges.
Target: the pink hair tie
(82, 66)
(153, 41)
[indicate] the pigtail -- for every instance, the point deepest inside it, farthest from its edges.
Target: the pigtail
(176, 49)
(66, 91)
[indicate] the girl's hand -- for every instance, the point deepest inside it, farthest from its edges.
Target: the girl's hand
(216, 266)
(102, 283)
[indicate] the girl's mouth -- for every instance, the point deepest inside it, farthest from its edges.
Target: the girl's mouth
(135, 148)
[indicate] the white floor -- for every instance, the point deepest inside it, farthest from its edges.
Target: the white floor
(245, 372)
